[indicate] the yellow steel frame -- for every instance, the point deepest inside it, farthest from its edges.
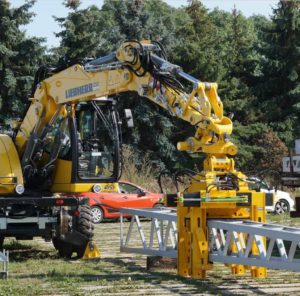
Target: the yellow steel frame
(192, 225)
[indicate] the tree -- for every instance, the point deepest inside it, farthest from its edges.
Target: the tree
(238, 74)
(259, 148)
(74, 4)
(196, 38)
(81, 34)
(272, 151)
(280, 88)
(241, 64)
(19, 58)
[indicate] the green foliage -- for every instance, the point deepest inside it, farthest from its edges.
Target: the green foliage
(280, 85)
(259, 148)
(78, 40)
(19, 58)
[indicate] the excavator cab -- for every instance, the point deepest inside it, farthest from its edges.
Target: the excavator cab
(97, 142)
(89, 151)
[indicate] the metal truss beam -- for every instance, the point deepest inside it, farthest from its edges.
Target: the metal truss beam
(236, 242)
(233, 242)
(161, 240)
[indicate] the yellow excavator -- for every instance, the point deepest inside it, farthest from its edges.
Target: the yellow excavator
(69, 142)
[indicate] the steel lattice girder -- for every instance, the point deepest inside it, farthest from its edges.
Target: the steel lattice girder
(160, 241)
(232, 242)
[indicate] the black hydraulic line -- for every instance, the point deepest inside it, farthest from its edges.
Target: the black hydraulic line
(162, 174)
(162, 48)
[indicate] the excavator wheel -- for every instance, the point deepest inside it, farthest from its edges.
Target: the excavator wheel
(84, 226)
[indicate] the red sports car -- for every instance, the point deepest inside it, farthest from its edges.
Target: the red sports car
(106, 205)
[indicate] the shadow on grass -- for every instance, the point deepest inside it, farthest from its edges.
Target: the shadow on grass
(136, 275)
(216, 283)
(33, 253)
(20, 252)
(16, 245)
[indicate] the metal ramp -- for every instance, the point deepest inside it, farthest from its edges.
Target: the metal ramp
(4, 259)
(233, 242)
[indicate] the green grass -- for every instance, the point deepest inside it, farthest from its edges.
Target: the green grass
(283, 219)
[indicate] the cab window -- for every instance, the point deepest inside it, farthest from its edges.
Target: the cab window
(96, 145)
(59, 138)
(128, 188)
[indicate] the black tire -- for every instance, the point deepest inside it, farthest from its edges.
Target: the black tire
(281, 207)
(97, 215)
(83, 225)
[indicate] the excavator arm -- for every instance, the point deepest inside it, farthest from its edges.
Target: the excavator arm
(140, 67)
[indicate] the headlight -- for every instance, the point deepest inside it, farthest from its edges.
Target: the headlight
(20, 189)
(97, 188)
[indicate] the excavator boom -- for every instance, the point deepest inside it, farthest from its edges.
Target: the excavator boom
(134, 67)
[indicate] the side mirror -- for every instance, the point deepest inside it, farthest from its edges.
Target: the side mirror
(129, 118)
(141, 193)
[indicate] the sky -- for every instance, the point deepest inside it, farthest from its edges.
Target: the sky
(43, 24)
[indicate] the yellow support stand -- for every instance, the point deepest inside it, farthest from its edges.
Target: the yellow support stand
(91, 251)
